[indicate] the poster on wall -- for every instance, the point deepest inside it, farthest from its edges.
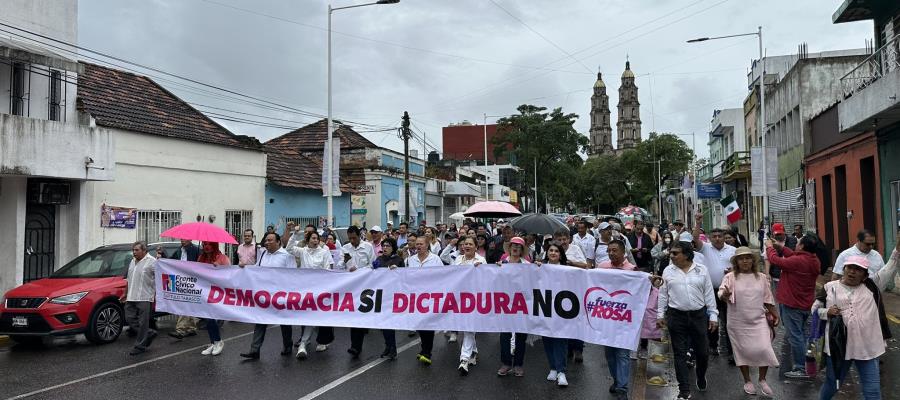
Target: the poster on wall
(117, 217)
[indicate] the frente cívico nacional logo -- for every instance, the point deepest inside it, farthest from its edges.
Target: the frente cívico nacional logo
(600, 304)
(180, 288)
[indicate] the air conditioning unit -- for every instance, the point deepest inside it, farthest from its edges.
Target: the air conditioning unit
(49, 192)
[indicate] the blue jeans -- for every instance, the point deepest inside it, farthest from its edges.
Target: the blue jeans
(868, 378)
(794, 324)
(619, 364)
(556, 352)
(212, 328)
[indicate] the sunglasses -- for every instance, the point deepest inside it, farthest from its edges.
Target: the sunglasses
(674, 253)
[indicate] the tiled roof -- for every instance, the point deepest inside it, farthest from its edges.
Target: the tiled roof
(295, 170)
(123, 100)
(312, 138)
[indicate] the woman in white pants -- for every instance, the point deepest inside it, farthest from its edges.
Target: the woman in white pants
(311, 256)
(468, 355)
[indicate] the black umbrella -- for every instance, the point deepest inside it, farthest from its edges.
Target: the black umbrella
(837, 344)
(537, 223)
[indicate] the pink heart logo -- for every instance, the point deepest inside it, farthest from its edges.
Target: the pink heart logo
(591, 303)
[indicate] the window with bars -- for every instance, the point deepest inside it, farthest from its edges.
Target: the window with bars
(18, 89)
(150, 223)
(55, 98)
(236, 222)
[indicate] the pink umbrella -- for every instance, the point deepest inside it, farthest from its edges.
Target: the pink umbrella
(199, 231)
(492, 209)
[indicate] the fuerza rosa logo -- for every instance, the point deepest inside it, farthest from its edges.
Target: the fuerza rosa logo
(601, 305)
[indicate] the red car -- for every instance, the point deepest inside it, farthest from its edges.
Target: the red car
(84, 296)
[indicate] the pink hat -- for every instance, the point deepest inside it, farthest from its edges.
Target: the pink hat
(858, 261)
(517, 240)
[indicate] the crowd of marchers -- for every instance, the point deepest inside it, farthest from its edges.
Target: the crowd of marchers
(711, 294)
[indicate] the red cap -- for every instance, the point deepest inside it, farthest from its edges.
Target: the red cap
(777, 228)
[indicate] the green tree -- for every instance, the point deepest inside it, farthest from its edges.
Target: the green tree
(550, 140)
(674, 158)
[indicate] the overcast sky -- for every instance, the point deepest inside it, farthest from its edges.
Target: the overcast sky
(448, 61)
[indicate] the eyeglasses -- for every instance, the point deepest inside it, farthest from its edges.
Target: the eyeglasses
(674, 253)
(871, 245)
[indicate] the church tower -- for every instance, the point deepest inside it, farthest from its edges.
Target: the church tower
(628, 125)
(601, 131)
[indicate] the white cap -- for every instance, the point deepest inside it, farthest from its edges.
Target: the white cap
(501, 220)
(375, 228)
(685, 237)
(603, 225)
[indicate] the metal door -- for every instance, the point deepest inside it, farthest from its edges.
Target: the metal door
(40, 241)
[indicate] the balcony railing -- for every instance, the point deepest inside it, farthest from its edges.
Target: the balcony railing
(737, 162)
(880, 63)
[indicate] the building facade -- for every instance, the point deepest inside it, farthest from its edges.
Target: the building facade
(628, 123)
(601, 130)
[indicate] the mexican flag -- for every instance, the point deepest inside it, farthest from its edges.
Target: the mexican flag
(732, 210)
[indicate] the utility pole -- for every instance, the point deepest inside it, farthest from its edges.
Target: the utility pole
(406, 136)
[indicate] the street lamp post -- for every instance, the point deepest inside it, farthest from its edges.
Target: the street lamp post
(328, 157)
(762, 110)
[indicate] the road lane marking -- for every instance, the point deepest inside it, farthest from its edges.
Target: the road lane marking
(359, 371)
(127, 367)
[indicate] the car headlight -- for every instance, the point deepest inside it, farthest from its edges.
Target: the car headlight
(69, 298)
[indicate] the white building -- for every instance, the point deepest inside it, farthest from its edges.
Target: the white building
(47, 157)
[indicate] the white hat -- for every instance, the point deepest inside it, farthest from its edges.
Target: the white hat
(603, 225)
(375, 228)
(501, 220)
(685, 237)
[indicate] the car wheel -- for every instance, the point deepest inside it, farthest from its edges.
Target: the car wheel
(28, 340)
(106, 324)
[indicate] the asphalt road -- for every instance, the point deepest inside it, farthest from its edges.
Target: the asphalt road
(71, 368)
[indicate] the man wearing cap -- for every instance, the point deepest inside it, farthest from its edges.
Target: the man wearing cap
(617, 359)
(377, 237)
(678, 227)
(864, 247)
(795, 294)
(717, 256)
(604, 236)
(780, 236)
(858, 301)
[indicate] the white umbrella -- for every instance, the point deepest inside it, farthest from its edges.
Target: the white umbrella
(457, 216)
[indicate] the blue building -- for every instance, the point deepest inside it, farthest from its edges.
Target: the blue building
(294, 192)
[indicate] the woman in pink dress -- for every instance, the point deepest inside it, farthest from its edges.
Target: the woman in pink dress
(749, 297)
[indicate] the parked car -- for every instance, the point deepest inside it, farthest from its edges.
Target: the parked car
(84, 296)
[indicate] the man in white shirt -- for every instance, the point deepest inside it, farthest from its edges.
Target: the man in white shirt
(604, 236)
(357, 253)
(864, 247)
(586, 241)
(272, 256)
(574, 254)
(423, 257)
(717, 255)
(139, 296)
(688, 306)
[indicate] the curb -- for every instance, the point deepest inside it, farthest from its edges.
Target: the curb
(4, 340)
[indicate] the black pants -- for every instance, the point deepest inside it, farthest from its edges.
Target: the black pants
(427, 338)
(357, 335)
(390, 339)
(714, 336)
(512, 358)
(688, 329)
(259, 335)
(325, 335)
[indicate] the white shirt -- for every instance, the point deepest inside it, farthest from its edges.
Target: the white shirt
(876, 263)
(600, 253)
(436, 248)
(689, 291)
(318, 258)
(140, 278)
(360, 257)
(587, 244)
(449, 254)
(574, 253)
(461, 260)
(431, 261)
(716, 261)
(184, 254)
(279, 259)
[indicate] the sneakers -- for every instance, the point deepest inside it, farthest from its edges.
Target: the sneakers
(208, 350)
(701, 383)
(474, 359)
(463, 367)
(798, 373)
(391, 354)
(504, 370)
(452, 337)
(765, 389)
(301, 352)
(552, 375)
(518, 372)
(749, 388)
(423, 359)
(561, 379)
(684, 396)
(218, 347)
(321, 347)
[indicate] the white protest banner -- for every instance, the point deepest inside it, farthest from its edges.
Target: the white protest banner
(598, 306)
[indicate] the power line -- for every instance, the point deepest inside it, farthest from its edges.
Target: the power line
(546, 39)
(384, 42)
